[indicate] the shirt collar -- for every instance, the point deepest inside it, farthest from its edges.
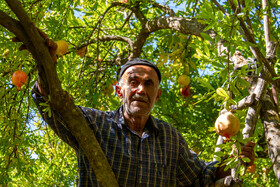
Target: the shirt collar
(151, 124)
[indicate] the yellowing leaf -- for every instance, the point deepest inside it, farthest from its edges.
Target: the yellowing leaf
(199, 52)
(222, 92)
(81, 52)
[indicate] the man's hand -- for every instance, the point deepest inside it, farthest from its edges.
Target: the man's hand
(247, 150)
(52, 46)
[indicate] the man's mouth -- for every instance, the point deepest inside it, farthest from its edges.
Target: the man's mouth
(140, 99)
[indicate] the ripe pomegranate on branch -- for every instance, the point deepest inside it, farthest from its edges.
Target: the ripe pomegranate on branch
(227, 125)
(184, 82)
(62, 47)
(19, 78)
(185, 91)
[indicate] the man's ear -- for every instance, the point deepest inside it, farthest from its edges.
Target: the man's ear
(119, 91)
(158, 94)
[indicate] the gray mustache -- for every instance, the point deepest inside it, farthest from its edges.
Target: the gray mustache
(140, 97)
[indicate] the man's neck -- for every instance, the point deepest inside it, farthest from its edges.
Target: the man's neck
(137, 123)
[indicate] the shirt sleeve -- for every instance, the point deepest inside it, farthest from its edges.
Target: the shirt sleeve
(55, 121)
(191, 170)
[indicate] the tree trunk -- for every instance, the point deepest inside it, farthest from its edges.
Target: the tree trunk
(271, 122)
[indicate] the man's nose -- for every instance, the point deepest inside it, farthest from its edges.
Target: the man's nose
(141, 89)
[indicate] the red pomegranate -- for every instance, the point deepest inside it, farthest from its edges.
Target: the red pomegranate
(185, 91)
(19, 78)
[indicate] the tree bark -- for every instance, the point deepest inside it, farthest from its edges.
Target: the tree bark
(271, 123)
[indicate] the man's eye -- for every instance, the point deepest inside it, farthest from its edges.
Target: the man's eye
(149, 83)
(133, 83)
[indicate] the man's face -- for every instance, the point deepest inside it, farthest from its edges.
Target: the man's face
(139, 90)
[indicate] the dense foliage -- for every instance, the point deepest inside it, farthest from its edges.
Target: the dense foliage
(30, 152)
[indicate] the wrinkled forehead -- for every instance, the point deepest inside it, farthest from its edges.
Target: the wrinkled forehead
(141, 71)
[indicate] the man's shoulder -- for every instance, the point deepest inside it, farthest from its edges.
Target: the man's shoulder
(95, 113)
(169, 134)
(165, 126)
(89, 110)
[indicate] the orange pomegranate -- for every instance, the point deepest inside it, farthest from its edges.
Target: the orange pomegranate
(19, 78)
(227, 125)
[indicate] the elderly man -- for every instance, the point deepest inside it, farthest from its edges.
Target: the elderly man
(141, 149)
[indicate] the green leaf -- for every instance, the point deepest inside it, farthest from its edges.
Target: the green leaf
(220, 15)
(246, 159)
(207, 37)
(220, 153)
(205, 84)
(217, 64)
(199, 52)
(275, 78)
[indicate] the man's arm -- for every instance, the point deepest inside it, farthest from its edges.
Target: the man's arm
(191, 170)
(40, 96)
(54, 120)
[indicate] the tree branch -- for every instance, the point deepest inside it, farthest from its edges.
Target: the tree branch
(118, 38)
(11, 24)
(251, 39)
(139, 15)
(220, 7)
(244, 103)
(165, 9)
(182, 25)
(240, 31)
(266, 23)
(185, 26)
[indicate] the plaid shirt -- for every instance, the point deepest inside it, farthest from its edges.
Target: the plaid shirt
(160, 157)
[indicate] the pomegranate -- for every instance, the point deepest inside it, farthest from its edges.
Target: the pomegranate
(62, 47)
(185, 91)
(184, 80)
(227, 125)
(19, 78)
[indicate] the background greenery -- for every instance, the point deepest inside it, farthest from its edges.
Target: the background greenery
(32, 155)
